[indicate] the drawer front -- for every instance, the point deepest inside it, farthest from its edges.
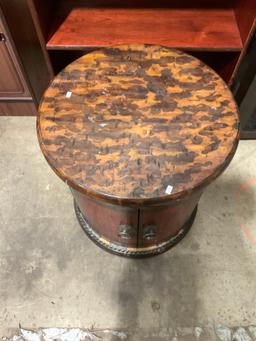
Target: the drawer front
(158, 224)
(114, 223)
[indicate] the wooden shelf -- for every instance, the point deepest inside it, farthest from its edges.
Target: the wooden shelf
(186, 28)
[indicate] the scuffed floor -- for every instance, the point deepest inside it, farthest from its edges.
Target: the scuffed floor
(52, 275)
(66, 334)
(77, 334)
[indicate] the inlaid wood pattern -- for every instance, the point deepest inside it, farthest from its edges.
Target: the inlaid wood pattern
(140, 118)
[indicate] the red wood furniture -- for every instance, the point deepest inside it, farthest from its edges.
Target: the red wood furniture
(50, 34)
(15, 93)
(137, 132)
(215, 31)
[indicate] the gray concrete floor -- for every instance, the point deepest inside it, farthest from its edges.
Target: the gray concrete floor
(52, 275)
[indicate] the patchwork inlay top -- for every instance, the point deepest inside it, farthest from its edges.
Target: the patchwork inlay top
(137, 122)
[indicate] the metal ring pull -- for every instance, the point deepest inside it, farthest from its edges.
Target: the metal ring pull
(149, 232)
(126, 231)
(2, 37)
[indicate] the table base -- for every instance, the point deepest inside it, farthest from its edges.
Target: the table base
(135, 252)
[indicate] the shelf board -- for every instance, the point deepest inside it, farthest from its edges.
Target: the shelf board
(186, 28)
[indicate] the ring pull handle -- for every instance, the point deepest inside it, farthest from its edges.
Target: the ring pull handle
(126, 231)
(2, 37)
(149, 232)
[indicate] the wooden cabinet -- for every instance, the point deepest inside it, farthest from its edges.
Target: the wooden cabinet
(217, 32)
(12, 83)
(135, 230)
(50, 34)
(15, 97)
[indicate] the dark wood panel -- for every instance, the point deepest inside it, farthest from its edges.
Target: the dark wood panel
(12, 82)
(222, 62)
(67, 4)
(22, 29)
(17, 108)
(61, 58)
(245, 11)
(213, 29)
(42, 14)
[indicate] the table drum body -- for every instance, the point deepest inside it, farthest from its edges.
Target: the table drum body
(137, 132)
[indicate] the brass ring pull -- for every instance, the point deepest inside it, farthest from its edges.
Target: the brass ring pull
(126, 231)
(2, 37)
(149, 232)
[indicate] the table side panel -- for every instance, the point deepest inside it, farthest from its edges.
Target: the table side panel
(115, 223)
(160, 223)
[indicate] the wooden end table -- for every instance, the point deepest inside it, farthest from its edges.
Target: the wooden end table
(137, 132)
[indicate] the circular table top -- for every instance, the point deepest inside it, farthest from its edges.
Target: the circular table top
(137, 123)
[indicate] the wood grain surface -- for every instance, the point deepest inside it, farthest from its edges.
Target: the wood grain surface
(140, 118)
(190, 28)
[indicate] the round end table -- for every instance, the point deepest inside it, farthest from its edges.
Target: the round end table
(137, 132)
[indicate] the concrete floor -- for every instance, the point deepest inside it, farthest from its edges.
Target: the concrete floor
(52, 275)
